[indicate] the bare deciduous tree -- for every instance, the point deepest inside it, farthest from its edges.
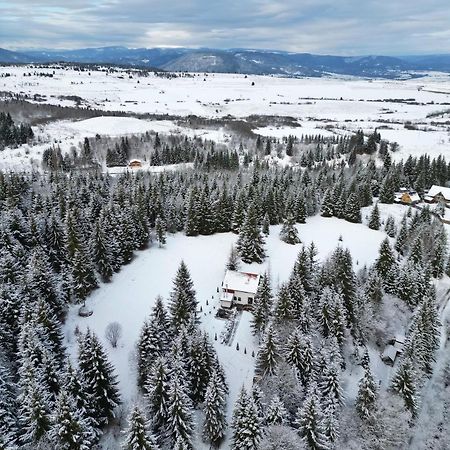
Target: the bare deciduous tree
(113, 333)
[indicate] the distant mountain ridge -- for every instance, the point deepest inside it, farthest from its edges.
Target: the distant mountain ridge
(258, 62)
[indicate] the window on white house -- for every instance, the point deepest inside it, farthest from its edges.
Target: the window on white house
(250, 300)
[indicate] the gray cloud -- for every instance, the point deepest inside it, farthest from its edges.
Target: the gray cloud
(321, 26)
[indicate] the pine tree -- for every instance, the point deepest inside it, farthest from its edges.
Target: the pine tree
(352, 212)
(374, 289)
(233, 260)
(268, 353)
(70, 431)
(299, 354)
(160, 230)
(137, 435)
(153, 340)
(327, 204)
(183, 305)
(262, 304)
(246, 424)
(289, 232)
(330, 385)
(83, 277)
(214, 426)
(8, 409)
(35, 420)
(390, 228)
(386, 260)
(266, 224)
(387, 191)
(157, 394)
(310, 422)
(101, 253)
(276, 412)
(179, 413)
(191, 224)
(250, 244)
(374, 219)
(405, 385)
(284, 310)
(98, 374)
(366, 399)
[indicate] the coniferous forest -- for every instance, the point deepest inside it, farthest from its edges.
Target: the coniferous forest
(70, 227)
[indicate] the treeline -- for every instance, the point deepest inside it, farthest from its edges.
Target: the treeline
(12, 135)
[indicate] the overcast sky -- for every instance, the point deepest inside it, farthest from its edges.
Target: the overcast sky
(344, 27)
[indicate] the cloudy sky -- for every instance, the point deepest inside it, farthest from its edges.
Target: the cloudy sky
(345, 27)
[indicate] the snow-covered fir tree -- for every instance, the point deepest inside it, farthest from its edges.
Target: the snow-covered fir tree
(138, 435)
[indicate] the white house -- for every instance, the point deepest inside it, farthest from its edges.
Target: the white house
(238, 288)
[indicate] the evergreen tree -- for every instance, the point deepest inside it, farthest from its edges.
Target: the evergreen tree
(8, 409)
(330, 386)
(246, 424)
(327, 204)
(387, 191)
(250, 244)
(268, 354)
(160, 230)
(310, 422)
(183, 305)
(366, 399)
(374, 219)
(35, 419)
(276, 412)
(83, 277)
(98, 374)
(300, 355)
(153, 340)
(352, 212)
(233, 260)
(262, 305)
(386, 260)
(214, 426)
(101, 253)
(289, 232)
(179, 413)
(405, 385)
(157, 394)
(390, 227)
(70, 431)
(137, 435)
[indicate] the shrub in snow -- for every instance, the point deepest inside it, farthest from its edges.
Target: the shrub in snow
(113, 333)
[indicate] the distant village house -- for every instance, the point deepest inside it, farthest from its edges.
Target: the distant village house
(135, 164)
(407, 197)
(438, 194)
(238, 289)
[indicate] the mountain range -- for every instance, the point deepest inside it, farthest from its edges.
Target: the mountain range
(245, 61)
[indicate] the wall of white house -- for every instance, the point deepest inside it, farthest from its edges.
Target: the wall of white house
(243, 298)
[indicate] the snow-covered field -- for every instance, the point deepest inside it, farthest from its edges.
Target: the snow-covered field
(128, 299)
(334, 98)
(327, 106)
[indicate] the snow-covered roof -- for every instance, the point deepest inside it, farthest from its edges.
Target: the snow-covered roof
(241, 281)
(413, 195)
(435, 190)
(390, 352)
